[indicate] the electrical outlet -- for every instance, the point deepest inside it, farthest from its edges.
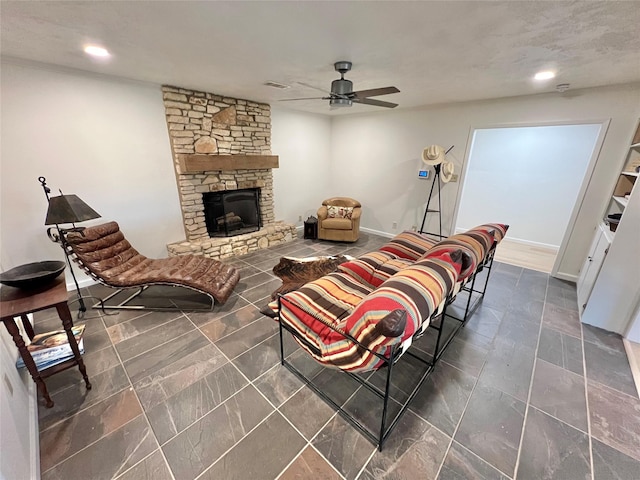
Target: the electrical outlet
(454, 177)
(414, 228)
(299, 218)
(394, 225)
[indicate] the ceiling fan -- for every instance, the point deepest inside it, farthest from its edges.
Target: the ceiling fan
(342, 94)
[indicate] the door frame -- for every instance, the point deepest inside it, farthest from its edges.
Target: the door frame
(588, 175)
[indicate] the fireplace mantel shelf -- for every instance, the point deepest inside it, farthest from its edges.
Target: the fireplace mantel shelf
(196, 163)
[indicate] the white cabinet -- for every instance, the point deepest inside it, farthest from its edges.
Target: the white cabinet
(592, 264)
(610, 299)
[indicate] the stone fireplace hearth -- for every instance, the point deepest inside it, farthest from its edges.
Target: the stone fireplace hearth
(221, 144)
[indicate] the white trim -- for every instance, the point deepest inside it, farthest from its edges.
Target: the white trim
(34, 430)
(634, 363)
(566, 276)
(583, 189)
(82, 283)
(588, 175)
(378, 232)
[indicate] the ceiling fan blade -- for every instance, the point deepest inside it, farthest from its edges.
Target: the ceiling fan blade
(315, 88)
(374, 92)
(304, 98)
(376, 103)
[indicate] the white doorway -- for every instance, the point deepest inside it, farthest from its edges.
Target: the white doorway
(532, 178)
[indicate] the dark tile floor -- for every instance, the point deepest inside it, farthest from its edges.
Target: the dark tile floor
(525, 391)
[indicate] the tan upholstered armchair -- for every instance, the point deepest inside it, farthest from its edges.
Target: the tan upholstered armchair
(339, 219)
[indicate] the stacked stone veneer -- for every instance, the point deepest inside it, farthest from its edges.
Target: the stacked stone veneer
(208, 124)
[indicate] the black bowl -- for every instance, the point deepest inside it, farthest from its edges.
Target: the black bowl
(32, 275)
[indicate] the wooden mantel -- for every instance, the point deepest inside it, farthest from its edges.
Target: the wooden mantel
(199, 162)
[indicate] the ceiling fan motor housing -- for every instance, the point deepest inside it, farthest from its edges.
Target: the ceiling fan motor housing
(341, 87)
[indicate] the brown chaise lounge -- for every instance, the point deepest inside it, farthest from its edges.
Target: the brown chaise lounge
(104, 253)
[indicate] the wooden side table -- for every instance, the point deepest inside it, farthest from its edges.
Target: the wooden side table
(15, 302)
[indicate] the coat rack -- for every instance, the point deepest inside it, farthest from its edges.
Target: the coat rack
(436, 180)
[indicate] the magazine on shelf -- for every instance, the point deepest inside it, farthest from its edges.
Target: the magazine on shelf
(50, 362)
(54, 345)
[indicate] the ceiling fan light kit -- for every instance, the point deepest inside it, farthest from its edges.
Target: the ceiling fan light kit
(342, 94)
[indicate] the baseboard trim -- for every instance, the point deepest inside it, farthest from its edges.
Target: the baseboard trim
(34, 430)
(566, 276)
(82, 283)
(378, 232)
(634, 363)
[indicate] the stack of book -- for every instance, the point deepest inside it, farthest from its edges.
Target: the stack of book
(51, 348)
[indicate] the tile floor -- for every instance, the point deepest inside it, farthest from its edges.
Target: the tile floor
(525, 391)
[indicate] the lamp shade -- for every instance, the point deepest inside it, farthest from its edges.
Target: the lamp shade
(69, 209)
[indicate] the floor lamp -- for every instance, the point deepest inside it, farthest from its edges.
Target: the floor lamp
(65, 209)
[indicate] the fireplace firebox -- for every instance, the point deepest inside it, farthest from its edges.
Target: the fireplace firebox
(232, 212)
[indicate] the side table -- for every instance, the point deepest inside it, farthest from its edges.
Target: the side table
(15, 302)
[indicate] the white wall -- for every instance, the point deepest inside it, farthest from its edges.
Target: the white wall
(100, 138)
(375, 157)
(531, 175)
(19, 442)
(302, 141)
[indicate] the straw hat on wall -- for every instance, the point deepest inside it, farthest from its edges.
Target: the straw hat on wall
(446, 171)
(433, 155)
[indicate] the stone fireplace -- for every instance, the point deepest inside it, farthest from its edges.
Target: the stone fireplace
(221, 144)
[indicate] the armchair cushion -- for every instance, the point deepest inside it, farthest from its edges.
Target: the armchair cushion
(334, 211)
(337, 224)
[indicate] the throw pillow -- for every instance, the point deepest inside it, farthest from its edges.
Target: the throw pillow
(333, 211)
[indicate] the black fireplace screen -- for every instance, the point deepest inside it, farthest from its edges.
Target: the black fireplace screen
(230, 213)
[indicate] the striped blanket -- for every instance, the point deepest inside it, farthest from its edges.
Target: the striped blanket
(343, 319)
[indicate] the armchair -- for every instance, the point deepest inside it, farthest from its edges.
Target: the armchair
(339, 219)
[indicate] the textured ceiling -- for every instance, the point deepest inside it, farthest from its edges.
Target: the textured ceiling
(434, 52)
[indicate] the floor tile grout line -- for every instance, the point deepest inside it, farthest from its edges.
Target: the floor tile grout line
(57, 423)
(136, 396)
(366, 463)
(223, 454)
(455, 430)
(249, 383)
(89, 445)
(171, 340)
(144, 413)
(564, 422)
(586, 399)
(81, 381)
(148, 314)
(231, 333)
(533, 376)
(600, 384)
(464, 410)
(138, 463)
(276, 409)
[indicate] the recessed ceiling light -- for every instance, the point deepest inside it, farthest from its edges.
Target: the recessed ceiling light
(96, 51)
(546, 75)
